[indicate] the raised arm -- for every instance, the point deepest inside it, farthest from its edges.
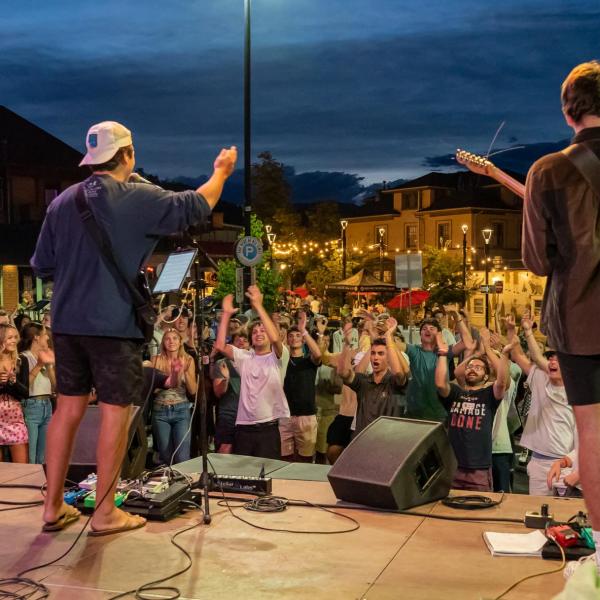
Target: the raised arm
(534, 350)
(441, 367)
(228, 311)
(396, 362)
(221, 379)
(223, 168)
(466, 340)
(516, 353)
(499, 364)
(345, 360)
(313, 347)
(256, 301)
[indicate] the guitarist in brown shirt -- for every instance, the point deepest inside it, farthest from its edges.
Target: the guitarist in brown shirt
(561, 239)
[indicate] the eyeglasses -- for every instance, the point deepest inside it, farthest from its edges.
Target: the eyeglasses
(476, 367)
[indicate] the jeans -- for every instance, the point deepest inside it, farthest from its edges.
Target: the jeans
(170, 425)
(501, 471)
(37, 413)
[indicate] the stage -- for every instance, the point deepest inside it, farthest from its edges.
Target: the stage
(391, 556)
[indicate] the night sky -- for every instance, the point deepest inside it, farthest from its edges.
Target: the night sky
(380, 88)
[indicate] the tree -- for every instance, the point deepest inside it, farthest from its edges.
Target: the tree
(324, 221)
(442, 276)
(270, 190)
(267, 280)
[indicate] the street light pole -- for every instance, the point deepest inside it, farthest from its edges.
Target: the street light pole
(247, 132)
(271, 237)
(464, 228)
(344, 225)
(487, 236)
(381, 232)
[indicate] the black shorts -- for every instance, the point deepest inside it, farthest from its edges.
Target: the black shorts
(112, 365)
(581, 376)
(340, 432)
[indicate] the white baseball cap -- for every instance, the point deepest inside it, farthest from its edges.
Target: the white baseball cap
(103, 140)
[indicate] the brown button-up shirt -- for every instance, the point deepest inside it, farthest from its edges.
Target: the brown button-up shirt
(561, 239)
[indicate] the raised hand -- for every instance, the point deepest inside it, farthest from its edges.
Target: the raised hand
(526, 323)
(391, 325)
(441, 342)
(321, 325)
(485, 335)
(254, 295)
(226, 160)
(227, 305)
(301, 321)
(347, 331)
(509, 322)
(46, 357)
(224, 370)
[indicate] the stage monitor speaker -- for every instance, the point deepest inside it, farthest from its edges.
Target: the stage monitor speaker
(395, 463)
(83, 460)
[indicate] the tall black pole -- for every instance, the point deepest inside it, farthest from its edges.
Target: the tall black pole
(487, 291)
(464, 265)
(343, 252)
(247, 133)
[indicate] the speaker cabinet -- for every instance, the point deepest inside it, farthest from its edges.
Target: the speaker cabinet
(83, 460)
(395, 463)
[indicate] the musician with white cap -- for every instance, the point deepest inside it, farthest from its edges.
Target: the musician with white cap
(96, 337)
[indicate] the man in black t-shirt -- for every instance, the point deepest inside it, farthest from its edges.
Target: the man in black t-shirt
(472, 411)
(299, 431)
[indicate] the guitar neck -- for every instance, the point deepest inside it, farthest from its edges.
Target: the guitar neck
(507, 181)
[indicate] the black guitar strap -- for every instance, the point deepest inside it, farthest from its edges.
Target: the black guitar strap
(586, 162)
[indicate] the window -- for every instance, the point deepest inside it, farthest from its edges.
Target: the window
(443, 234)
(497, 240)
(478, 306)
(411, 237)
(387, 277)
(410, 200)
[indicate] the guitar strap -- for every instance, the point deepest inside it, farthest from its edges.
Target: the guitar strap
(586, 162)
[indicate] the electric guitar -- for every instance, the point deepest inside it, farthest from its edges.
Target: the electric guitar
(483, 166)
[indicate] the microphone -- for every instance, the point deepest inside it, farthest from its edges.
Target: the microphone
(137, 178)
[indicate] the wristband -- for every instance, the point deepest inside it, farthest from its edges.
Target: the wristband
(442, 353)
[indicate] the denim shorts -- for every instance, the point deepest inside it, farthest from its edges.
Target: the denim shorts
(112, 365)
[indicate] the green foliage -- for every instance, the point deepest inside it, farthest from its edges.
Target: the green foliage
(442, 276)
(324, 221)
(270, 190)
(268, 281)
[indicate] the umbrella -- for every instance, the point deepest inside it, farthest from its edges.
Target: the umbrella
(403, 298)
(301, 291)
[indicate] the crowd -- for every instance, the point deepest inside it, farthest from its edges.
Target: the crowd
(298, 386)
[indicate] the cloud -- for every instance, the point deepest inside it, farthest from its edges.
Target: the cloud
(337, 86)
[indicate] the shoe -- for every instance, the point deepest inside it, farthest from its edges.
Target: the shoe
(133, 522)
(70, 515)
(573, 565)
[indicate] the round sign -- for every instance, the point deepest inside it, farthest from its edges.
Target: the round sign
(249, 251)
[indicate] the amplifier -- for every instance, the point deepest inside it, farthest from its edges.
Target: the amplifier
(241, 484)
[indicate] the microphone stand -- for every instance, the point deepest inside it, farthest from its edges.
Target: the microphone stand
(204, 481)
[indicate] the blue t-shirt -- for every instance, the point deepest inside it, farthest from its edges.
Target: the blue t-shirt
(86, 298)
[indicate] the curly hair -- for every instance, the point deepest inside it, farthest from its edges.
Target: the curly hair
(580, 91)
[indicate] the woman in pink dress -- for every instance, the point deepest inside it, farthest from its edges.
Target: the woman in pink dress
(14, 387)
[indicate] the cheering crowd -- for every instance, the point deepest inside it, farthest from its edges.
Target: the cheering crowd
(290, 386)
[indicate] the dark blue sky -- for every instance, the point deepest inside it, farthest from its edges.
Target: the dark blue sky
(363, 86)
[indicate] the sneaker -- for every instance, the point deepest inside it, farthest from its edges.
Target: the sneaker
(573, 565)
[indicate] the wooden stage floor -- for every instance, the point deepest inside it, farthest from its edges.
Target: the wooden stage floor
(390, 557)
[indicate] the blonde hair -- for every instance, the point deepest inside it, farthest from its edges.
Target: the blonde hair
(14, 356)
(161, 361)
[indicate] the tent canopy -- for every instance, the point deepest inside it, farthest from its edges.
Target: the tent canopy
(403, 299)
(361, 282)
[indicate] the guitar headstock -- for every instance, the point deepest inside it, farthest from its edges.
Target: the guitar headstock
(475, 163)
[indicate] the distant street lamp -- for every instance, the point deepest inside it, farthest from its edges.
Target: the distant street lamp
(464, 228)
(487, 236)
(381, 232)
(271, 237)
(344, 225)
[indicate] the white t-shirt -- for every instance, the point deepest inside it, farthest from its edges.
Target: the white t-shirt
(261, 389)
(41, 384)
(550, 427)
